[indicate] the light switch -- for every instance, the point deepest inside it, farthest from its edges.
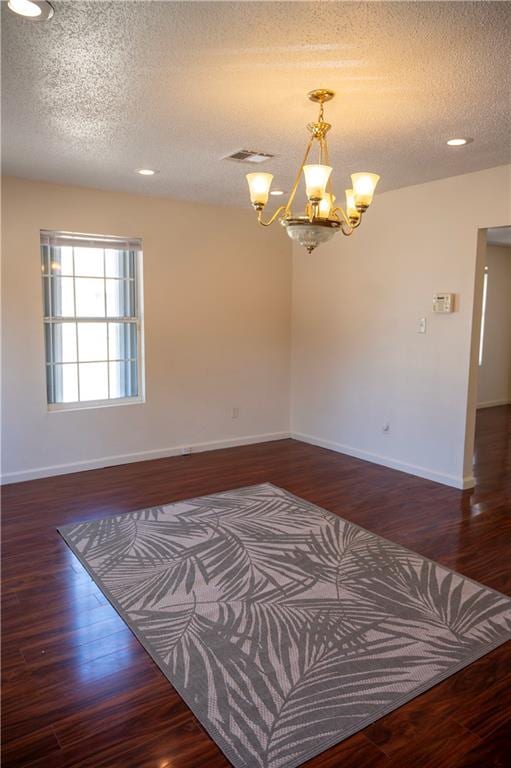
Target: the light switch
(422, 325)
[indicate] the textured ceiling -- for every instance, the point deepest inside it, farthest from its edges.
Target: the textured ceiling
(107, 87)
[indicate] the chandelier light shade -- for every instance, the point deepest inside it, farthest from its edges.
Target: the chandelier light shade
(351, 209)
(316, 179)
(364, 185)
(326, 205)
(259, 185)
(321, 218)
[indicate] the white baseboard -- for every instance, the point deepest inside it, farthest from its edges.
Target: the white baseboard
(493, 403)
(429, 474)
(160, 453)
(129, 458)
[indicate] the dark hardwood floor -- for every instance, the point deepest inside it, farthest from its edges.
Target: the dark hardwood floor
(79, 690)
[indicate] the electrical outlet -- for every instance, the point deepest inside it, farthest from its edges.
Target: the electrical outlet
(186, 450)
(235, 413)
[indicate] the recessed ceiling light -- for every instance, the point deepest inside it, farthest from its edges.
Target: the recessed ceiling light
(458, 142)
(146, 171)
(39, 10)
(277, 192)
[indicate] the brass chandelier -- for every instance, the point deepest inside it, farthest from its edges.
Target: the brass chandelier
(321, 218)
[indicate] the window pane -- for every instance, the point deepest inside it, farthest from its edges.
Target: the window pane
(66, 260)
(92, 344)
(120, 298)
(57, 260)
(93, 381)
(69, 383)
(64, 290)
(61, 342)
(132, 265)
(59, 299)
(122, 340)
(123, 379)
(65, 383)
(68, 334)
(50, 386)
(120, 263)
(116, 380)
(89, 262)
(47, 296)
(45, 259)
(90, 297)
(61, 260)
(115, 263)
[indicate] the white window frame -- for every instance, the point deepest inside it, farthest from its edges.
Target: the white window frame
(138, 321)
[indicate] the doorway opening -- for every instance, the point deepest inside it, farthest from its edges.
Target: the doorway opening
(489, 402)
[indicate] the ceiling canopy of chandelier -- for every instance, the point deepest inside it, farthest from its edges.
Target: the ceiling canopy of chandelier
(321, 218)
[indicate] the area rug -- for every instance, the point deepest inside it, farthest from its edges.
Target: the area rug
(284, 627)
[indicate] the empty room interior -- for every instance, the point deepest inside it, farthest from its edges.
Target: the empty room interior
(256, 384)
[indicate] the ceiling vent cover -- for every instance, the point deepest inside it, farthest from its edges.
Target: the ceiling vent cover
(249, 156)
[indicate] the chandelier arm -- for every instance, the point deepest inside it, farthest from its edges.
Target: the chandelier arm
(270, 221)
(298, 176)
(344, 217)
(327, 162)
(347, 228)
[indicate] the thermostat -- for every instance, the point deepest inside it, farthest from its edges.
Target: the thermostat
(443, 302)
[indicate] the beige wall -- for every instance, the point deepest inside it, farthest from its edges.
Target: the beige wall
(357, 359)
(494, 381)
(217, 324)
(217, 311)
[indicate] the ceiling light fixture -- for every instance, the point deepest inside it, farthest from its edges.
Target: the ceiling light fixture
(146, 171)
(458, 142)
(321, 218)
(39, 10)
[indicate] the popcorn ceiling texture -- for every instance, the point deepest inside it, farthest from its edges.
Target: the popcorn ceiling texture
(107, 87)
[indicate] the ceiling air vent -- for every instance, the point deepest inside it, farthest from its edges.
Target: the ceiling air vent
(249, 156)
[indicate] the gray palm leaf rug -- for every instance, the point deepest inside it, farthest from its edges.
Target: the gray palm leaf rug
(284, 627)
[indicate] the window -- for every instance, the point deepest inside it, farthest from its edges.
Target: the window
(92, 319)
(483, 315)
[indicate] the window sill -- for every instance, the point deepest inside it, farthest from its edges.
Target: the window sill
(88, 405)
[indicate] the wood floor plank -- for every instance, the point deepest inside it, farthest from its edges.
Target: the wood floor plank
(441, 746)
(490, 753)
(179, 743)
(38, 700)
(142, 710)
(80, 692)
(58, 643)
(28, 748)
(67, 651)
